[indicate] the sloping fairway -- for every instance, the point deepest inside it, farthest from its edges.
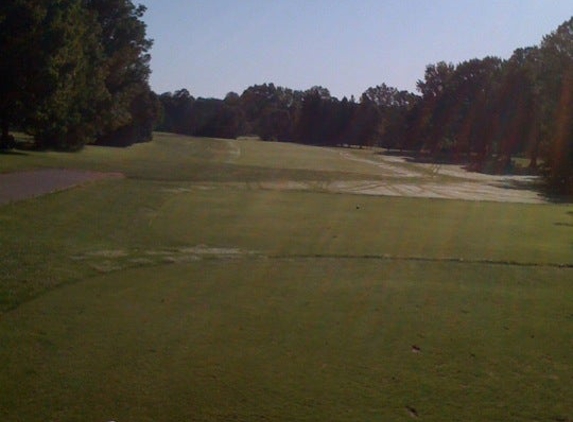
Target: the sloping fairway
(190, 292)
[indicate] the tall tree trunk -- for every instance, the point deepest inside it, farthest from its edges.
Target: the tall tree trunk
(534, 143)
(6, 141)
(533, 159)
(5, 125)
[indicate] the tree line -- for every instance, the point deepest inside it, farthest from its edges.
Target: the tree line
(75, 71)
(273, 112)
(482, 111)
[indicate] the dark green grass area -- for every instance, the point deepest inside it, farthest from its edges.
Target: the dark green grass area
(176, 294)
(295, 339)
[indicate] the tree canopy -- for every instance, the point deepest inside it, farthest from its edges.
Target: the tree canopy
(75, 71)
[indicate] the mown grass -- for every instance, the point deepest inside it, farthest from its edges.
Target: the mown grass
(298, 306)
(330, 339)
(176, 158)
(43, 238)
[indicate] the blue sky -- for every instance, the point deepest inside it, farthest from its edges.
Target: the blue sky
(212, 47)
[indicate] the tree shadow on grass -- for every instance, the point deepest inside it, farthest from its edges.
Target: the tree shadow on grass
(530, 184)
(536, 185)
(13, 152)
(566, 224)
(556, 198)
(426, 158)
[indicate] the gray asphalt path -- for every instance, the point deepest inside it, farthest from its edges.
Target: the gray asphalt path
(28, 184)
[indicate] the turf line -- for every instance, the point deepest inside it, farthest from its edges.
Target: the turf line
(425, 259)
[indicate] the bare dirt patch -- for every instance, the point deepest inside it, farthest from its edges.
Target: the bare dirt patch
(107, 261)
(28, 184)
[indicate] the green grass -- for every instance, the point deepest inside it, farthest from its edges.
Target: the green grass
(176, 158)
(58, 238)
(297, 306)
(296, 339)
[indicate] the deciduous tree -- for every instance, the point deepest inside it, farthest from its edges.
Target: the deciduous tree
(126, 66)
(555, 84)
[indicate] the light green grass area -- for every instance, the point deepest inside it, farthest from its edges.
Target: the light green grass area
(176, 295)
(176, 158)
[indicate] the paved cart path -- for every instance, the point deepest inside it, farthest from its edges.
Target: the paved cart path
(28, 184)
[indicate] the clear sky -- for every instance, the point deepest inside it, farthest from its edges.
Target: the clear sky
(212, 47)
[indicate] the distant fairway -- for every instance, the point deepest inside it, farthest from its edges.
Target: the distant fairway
(240, 280)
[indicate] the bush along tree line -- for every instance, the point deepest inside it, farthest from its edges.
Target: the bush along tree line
(481, 111)
(75, 71)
